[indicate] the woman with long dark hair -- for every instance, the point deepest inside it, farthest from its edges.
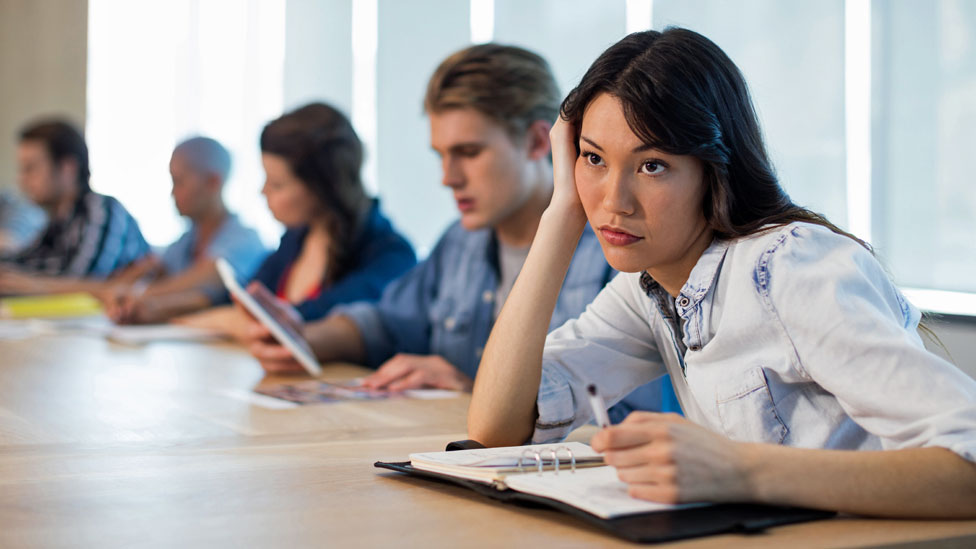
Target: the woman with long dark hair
(338, 247)
(785, 339)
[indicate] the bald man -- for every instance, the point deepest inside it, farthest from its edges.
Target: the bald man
(184, 278)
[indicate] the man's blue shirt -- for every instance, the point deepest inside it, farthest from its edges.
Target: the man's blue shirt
(233, 241)
(444, 306)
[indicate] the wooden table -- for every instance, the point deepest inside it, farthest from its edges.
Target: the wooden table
(105, 445)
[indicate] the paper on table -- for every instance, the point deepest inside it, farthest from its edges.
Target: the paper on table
(30, 327)
(431, 394)
(138, 335)
(10, 330)
(314, 391)
(256, 399)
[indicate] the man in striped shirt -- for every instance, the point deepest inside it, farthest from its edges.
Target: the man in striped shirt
(89, 236)
(20, 222)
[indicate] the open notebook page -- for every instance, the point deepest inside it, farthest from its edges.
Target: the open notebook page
(595, 490)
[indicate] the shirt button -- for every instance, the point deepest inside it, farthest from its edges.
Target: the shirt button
(488, 296)
(683, 301)
(449, 323)
(695, 348)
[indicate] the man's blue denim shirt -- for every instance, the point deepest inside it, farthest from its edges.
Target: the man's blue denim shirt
(445, 304)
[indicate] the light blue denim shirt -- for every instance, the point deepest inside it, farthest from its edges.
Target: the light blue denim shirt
(794, 336)
(445, 305)
(233, 241)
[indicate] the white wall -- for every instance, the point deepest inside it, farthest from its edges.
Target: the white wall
(318, 53)
(413, 38)
(43, 64)
(925, 135)
(545, 27)
(792, 57)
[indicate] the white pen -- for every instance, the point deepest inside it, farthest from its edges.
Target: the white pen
(599, 407)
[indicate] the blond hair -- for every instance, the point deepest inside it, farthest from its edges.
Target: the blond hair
(511, 85)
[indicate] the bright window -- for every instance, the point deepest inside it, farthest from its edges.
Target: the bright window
(160, 71)
(869, 107)
(925, 140)
(869, 110)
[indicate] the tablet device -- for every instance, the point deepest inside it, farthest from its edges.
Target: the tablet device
(266, 314)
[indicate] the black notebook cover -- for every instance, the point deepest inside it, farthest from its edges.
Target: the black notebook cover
(647, 527)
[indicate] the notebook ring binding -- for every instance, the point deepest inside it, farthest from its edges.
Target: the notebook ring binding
(572, 458)
(536, 456)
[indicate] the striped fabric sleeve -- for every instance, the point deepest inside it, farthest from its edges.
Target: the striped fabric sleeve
(111, 239)
(96, 222)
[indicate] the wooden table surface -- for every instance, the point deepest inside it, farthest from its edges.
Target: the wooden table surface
(108, 445)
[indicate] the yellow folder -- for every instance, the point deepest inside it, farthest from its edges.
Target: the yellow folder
(50, 306)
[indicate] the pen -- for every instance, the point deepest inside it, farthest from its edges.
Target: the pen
(599, 408)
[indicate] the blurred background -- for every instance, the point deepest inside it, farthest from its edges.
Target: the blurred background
(869, 107)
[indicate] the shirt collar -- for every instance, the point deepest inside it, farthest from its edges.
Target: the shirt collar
(702, 276)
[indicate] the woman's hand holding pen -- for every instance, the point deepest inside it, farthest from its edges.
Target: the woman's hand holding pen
(666, 458)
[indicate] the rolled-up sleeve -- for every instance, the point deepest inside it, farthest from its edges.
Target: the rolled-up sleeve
(861, 344)
(378, 342)
(610, 345)
(399, 321)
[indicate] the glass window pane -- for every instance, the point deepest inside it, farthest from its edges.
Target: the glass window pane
(924, 141)
(192, 67)
(792, 56)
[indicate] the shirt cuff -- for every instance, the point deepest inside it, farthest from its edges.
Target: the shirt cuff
(367, 318)
(216, 293)
(965, 450)
(556, 406)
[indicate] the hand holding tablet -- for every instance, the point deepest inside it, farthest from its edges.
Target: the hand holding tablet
(259, 305)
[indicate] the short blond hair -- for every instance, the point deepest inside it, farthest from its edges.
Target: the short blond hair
(511, 85)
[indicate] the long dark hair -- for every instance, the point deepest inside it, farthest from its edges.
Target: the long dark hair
(682, 95)
(324, 152)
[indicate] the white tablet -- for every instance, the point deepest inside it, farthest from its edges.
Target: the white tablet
(267, 315)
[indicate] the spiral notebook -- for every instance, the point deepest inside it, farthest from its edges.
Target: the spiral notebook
(571, 472)
(572, 478)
